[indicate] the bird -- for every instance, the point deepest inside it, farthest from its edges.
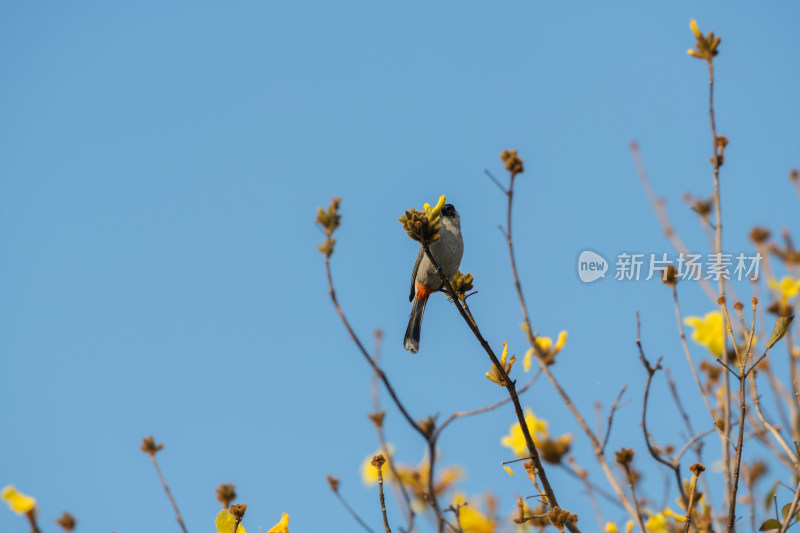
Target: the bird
(446, 251)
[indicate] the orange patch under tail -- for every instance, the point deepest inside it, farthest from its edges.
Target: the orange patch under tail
(423, 291)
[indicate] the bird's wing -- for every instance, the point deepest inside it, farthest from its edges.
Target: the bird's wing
(414, 274)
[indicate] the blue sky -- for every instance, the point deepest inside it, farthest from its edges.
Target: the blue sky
(161, 169)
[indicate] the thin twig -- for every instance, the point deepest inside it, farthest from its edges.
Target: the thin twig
(375, 386)
(695, 438)
(611, 498)
(431, 488)
(790, 454)
(378, 463)
(486, 409)
(611, 416)
(169, 493)
(651, 370)
(775, 501)
(697, 469)
(754, 365)
(779, 393)
(726, 406)
(674, 391)
(496, 182)
(761, 435)
(742, 408)
(792, 511)
(748, 481)
(584, 477)
(397, 480)
(729, 369)
(739, 446)
(31, 515)
(366, 354)
(353, 513)
(457, 511)
(688, 354)
(795, 427)
(466, 307)
(380, 373)
(632, 487)
(657, 205)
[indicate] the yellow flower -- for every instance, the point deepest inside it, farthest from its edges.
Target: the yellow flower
(508, 470)
(415, 478)
(787, 288)
(17, 502)
(706, 47)
(669, 512)
(225, 522)
(611, 527)
(546, 346)
(657, 523)
(708, 331)
(695, 29)
(515, 438)
(434, 213)
(494, 373)
(369, 474)
(282, 526)
(471, 519)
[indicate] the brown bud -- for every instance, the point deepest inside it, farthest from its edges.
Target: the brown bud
(624, 456)
(759, 235)
(512, 162)
(697, 469)
(703, 207)
(150, 447)
(378, 461)
(670, 276)
(334, 483)
(67, 522)
(377, 418)
(237, 510)
(226, 494)
(428, 425)
(558, 517)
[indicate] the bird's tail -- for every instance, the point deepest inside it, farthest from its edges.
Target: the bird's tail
(411, 341)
